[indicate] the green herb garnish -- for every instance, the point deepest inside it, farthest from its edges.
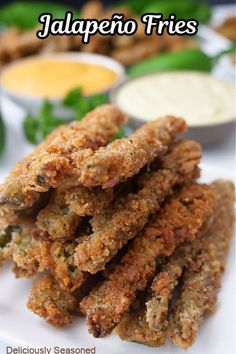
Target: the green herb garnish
(37, 128)
(82, 105)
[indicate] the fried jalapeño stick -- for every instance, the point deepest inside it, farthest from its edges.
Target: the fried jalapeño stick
(59, 219)
(56, 221)
(48, 165)
(181, 218)
(114, 227)
(134, 327)
(201, 282)
(125, 157)
(149, 324)
(49, 301)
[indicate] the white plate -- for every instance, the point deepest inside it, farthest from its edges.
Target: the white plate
(20, 327)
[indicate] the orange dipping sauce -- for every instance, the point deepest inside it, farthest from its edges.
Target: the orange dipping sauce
(50, 78)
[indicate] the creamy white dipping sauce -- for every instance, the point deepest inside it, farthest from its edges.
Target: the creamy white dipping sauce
(198, 97)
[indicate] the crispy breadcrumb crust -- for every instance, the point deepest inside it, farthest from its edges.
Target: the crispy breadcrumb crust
(134, 328)
(148, 326)
(201, 282)
(138, 215)
(57, 221)
(48, 165)
(5, 245)
(50, 302)
(88, 202)
(167, 279)
(62, 264)
(180, 219)
(125, 157)
(17, 244)
(68, 203)
(10, 191)
(24, 251)
(114, 227)
(162, 288)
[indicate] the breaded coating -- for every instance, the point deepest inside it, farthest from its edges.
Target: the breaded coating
(31, 255)
(114, 227)
(125, 157)
(25, 253)
(57, 221)
(96, 129)
(11, 195)
(68, 203)
(8, 217)
(162, 288)
(17, 244)
(56, 257)
(5, 254)
(6, 244)
(134, 328)
(10, 222)
(16, 43)
(88, 202)
(149, 326)
(50, 302)
(49, 164)
(181, 218)
(92, 201)
(59, 259)
(201, 282)
(165, 282)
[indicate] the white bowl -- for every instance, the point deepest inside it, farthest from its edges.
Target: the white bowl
(32, 104)
(204, 132)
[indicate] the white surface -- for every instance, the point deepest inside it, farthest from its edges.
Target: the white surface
(18, 325)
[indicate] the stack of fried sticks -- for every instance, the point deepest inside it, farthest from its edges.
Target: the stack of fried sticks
(120, 231)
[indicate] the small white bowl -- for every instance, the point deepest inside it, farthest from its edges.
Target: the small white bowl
(204, 132)
(32, 104)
